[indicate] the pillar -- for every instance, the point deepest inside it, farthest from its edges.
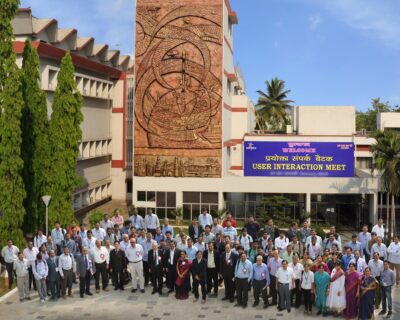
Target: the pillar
(221, 204)
(373, 208)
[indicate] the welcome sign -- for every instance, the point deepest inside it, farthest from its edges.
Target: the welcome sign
(298, 159)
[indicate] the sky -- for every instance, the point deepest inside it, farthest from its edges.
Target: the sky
(329, 52)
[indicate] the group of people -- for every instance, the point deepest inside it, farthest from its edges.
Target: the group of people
(284, 268)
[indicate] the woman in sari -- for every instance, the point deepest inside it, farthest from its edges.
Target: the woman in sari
(336, 301)
(183, 280)
(321, 282)
(367, 295)
(332, 262)
(318, 262)
(352, 286)
(306, 260)
(327, 256)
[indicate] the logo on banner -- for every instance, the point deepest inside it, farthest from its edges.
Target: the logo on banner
(250, 146)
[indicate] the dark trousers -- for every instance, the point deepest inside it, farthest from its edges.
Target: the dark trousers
(146, 273)
(212, 279)
(229, 285)
(31, 279)
(118, 277)
(258, 289)
(84, 283)
(67, 282)
(307, 299)
(54, 287)
(284, 296)
(273, 292)
(10, 272)
(101, 270)
(202, 284)
(242, 290)
(386, 298)
(171, 277)
(157, 279)
(296, 292)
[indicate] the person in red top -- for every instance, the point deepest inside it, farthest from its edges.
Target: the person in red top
(229, 218)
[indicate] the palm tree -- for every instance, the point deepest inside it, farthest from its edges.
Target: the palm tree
(387, 160)
(271, 107)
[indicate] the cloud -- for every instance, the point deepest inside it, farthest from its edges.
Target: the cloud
(374, 19)
(314, 21)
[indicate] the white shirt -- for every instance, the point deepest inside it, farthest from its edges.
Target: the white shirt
(40, 269)
(314, 251)
(106, 224)
(245, 241)
(100, 255)
(284, 276)
(281, 244)
(361, 264)
(10, 254)
(65, 262)
(297, 269)
(134, 254)
(380, 249)
(39, 240)
(231, 232)
(205, 219)
(151, 221)
(307, 280)
(319, 240)
(99, 234)
(210, 259)
(30, 255)
(376, 267)
(379, 230)
(394, 253)
(21, 267)
(89, 243)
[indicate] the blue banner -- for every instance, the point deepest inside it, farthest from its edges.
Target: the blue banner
(298, 159)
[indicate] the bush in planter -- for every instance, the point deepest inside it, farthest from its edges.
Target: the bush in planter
(95, 217)
(320, 231)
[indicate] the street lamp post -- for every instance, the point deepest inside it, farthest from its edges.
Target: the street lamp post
(46, 199)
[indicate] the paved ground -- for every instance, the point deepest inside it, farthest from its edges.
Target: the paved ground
(125, 305)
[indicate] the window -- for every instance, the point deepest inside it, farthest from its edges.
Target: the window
(193, 202)
(364, 163)
(228, 86)
(146, 196)
(129, 186)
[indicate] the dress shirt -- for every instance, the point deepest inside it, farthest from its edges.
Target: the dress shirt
(363, 238)
(171, 256)
(71, 245)
(125, 245)
(319, 240)
(394, 253)
(244, 270)
(137, 222)
(376, 267)
(346, 261)
(30, 255)
(387, 278)
(217, 229)
(231, 232)
(208, 237)
(147, 246)
(10, 254)
(305, 233)
(281, 244)
(191, 252)
(99, 234)
(89, 243)
(245, 241)
(21, 267)
(205, 219)
(356, 246)
(65, 262)
(151, 221)
(314, 251)
(119, 220)
(360, 264)
(274, 265)
(39, 240)
(40, 269)
(307, 280)
(328, 244)
(264, 242)
(100, 255)
(82, 234)
(379, 230)
(181, 246)
(297, 270)
(57, 236)
(167, 228)
(159, 237)
(284, 276)
(381, 249)
(134, 254)
(260, 272)
(106, 224)
(200, 246)
(210, 260)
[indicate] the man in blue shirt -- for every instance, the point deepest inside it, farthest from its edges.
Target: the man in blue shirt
(167, 227)
(347, 258)
(243, 277)
(261, 281)
(387, 282)
(355, 245)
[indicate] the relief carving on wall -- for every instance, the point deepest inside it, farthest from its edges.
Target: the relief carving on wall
(178, 89)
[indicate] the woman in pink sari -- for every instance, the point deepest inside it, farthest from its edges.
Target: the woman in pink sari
(352, 286)
(182, 283)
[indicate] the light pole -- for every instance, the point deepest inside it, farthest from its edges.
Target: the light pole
(46, 199)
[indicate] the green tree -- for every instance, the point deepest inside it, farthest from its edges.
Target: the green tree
(367, 120)
(272, 106)
(65, 135)
(387, 160)
(12, 191)
(35, 147)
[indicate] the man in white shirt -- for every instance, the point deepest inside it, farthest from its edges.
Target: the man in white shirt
(106, 222)
(284, 283)
(90, 241)
(314, 249)
(379, 229)
(281, 243)
(380, 248)
(57, 234)
(216, 228)
(296, 290)
(101, 258)
(40, 271)
(10, 254)
(230, 231)
(151, 222)
(134, 254)
(30, 254)
(66, 268)
(313, 234)
(99, 233)
(245, 240)
(39, 239)
(359, 262)
(21, 270)
(363, 237)
(394, 258)
(205, 219)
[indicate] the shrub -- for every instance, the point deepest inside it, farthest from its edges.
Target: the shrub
(95, 217)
